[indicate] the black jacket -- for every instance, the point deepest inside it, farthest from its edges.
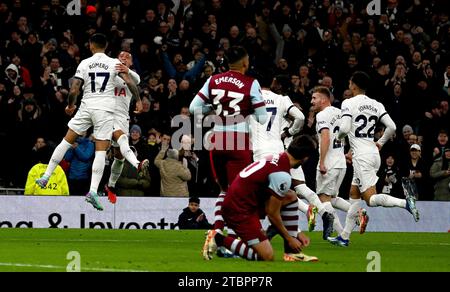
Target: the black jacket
(188, 220)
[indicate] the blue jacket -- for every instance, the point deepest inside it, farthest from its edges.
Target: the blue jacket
(81, 159)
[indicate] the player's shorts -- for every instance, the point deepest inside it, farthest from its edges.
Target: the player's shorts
(247, 226)
(267, 148)
(227, 163)
(365, 168)
(121, 123)
(330, 183)
(298, 174)
(85, 118)
(260, 154)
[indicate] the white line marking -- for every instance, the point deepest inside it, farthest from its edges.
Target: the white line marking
(62, 267)
(422, 243)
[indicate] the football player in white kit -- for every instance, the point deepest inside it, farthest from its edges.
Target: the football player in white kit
(332, 165)
(95, 75)
(359, 116)
(120, 143)
(267, 140)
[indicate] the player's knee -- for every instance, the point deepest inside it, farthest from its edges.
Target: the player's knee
(267, 256)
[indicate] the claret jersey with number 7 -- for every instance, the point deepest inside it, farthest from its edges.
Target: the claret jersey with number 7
(365, 114)
(98, 74)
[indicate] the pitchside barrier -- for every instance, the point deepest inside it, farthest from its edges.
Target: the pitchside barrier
(162, 213)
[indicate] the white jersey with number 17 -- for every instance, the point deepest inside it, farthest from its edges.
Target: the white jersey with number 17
(98, 73)
(365, 114)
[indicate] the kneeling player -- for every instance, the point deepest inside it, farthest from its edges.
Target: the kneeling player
(248, 191)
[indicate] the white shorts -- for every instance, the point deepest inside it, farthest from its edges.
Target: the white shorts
(330, 183)
(365, 170)
(85, 118)
(298, 174)
(121, 123)
(266, 151)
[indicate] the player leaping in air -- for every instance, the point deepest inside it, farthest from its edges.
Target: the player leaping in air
(120, 143)
(95, 76)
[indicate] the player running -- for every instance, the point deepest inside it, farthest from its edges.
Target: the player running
(359, 117)
(120, 143)
(332, 165)
(95, 76)
(263, 188)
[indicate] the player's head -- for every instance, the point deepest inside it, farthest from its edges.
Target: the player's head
(359, 82)
(320, 98)
(300, 149)
(125, 58)
(238, 59)
(265, 80)
(98, 42)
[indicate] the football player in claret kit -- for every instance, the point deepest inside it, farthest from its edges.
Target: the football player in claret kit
(95, 76)
(359, 117)
(232, 97)
(263, 187)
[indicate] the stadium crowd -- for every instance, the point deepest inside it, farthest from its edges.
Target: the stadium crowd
(177, 44)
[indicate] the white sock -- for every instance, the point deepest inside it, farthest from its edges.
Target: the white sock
(116, 171)
(340, 204)
(57, 156)
(302, 206)
(126, 151)
(350, 222)
(311, 196)
(98, 166)
(386, 201)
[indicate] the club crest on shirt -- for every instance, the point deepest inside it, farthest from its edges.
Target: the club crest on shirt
(283, 187)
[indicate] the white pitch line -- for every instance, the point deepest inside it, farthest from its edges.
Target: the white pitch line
(75, 240)
(62, 267)
(422, 243)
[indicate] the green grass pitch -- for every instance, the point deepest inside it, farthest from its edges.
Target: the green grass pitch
(179, 251)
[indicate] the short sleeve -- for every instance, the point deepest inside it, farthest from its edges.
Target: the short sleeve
(322, 122)
(280, 183)
(79, 74)
(346, 108)
(382, 111)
